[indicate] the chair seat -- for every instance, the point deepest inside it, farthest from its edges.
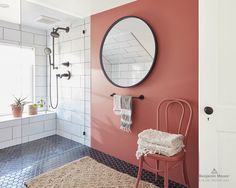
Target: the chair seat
(177, 157)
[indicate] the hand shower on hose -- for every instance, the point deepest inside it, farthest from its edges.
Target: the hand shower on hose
(54, 34)
(48, 52)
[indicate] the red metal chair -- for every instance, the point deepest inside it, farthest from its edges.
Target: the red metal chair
(185, 116)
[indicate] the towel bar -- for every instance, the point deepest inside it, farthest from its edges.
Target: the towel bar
(141, 97)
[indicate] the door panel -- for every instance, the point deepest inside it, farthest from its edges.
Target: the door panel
(227, 162)
(217, 88)
(226, 119)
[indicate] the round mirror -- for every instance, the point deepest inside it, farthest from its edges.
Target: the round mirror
(128, 52)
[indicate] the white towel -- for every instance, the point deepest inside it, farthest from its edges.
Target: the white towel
(161, 138)
(154, 141)
(117, 104)
(145, 148)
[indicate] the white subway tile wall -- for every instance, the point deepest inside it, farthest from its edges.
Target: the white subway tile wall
(13, 132)
(17, 131)
(11, 35)
(1, 33)
(73, 113)
(29, 37)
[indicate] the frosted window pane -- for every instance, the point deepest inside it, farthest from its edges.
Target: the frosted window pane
(16, 75)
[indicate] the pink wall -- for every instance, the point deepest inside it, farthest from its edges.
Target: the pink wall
(175, 75)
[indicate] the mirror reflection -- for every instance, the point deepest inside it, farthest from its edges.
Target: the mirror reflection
(128, 52)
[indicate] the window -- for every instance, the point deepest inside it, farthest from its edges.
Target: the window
(16, 75)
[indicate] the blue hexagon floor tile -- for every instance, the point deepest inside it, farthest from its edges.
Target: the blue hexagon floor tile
(22, 162)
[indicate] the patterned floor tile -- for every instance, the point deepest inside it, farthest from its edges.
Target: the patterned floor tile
(20, 163)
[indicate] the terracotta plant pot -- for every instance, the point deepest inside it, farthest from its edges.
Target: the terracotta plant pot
(17, 110)
(33, 110)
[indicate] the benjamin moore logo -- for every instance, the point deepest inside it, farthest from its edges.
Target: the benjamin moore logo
(214, 175)
(214, 171)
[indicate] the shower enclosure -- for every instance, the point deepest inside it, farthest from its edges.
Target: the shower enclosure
(61, 78)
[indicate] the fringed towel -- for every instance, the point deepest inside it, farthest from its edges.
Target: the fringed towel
(126, 113)
(122, 105)
(117, 104)
(154, 141)
(161, 138)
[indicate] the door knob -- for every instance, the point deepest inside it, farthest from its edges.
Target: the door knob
(208, 110)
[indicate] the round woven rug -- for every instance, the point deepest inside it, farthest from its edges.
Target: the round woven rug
(85, 173)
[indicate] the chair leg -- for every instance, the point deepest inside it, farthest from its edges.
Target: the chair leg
(139, 171)
(185, 174)
(166, 175)
(157, 168)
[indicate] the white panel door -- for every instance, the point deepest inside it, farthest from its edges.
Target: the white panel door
(217, 89)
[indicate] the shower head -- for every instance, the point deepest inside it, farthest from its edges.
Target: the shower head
(47, 51)
(55, 33)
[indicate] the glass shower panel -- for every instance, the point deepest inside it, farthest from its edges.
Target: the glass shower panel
(36, 143)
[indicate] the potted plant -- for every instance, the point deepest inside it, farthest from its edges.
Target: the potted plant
(33, 108)
(18, 106)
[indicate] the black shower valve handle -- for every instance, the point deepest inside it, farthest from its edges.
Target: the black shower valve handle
(66, 64)
(67, 75)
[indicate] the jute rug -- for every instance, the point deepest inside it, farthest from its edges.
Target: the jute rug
(85, 173)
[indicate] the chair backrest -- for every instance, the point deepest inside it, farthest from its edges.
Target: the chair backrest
(185, 115)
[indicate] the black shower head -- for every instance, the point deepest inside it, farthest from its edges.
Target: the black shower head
(55, 33)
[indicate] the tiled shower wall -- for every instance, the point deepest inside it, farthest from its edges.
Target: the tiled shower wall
(73, 112)
(15, 131)
(29, 37)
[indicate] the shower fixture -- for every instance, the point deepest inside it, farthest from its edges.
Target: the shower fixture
(66, 75)
(54, 34)
(48, 52)
(66, 64)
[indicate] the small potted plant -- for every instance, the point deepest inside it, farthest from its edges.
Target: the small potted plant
(18, 106)
(33, 108)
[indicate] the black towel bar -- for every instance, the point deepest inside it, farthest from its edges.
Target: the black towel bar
(141, 97)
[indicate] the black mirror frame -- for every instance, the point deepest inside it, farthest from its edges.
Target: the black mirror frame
(155, 54)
